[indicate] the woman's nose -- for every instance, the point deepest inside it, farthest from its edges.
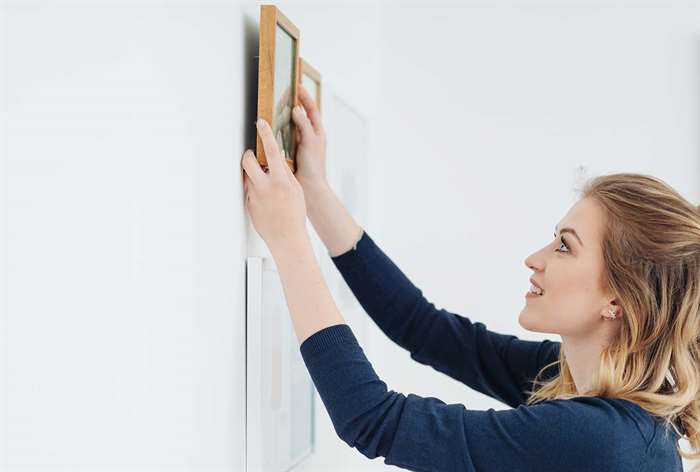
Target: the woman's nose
(530, 262)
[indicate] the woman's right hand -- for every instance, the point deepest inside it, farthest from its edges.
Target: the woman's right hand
(311, 143)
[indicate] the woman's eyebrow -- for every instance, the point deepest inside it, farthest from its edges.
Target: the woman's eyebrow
(568, 230)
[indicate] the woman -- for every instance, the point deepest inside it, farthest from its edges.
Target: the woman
(620, 283)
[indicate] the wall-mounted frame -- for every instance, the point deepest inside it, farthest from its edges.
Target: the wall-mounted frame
(278, 75)
(311, 80)
(280, 394)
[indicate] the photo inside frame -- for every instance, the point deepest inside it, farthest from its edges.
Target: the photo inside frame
(283, 98)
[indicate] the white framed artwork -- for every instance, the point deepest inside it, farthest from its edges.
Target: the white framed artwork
(279, 390)
(347, 170)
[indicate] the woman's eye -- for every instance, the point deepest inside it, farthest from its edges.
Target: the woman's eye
(563, 243)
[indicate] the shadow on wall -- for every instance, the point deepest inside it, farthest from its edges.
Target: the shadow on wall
(250, 80)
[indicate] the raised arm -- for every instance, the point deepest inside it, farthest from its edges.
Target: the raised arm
(498, 365)
(425, 434)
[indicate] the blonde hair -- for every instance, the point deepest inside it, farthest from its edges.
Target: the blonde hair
(651, 251)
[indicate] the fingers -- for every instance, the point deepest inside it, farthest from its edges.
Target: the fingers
(252, 169)
(276, 162)
(272, 151)
(303, 124)
(246, 193)
(285, 163)
(310, 106)
(288, 170)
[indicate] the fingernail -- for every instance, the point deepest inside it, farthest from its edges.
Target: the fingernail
(259, 123)
(297, 109)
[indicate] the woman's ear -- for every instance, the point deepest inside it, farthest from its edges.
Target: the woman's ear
(611, 310)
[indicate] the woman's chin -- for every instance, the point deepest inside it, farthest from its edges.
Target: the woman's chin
(535, 322)
(527, 320)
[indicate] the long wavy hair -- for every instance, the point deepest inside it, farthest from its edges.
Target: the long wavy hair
(651, 251)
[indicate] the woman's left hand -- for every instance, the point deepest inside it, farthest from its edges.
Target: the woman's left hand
(274, 199)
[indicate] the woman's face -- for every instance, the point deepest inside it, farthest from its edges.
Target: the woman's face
(570, 275)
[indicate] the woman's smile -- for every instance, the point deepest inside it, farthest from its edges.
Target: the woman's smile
(530, 294)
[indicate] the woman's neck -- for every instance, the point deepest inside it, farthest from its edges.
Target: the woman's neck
(583, 358)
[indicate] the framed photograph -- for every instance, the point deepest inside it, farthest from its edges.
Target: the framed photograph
(311, 80)
(278, 76)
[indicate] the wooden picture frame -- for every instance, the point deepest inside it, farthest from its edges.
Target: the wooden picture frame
(278, 76)
(310, 75)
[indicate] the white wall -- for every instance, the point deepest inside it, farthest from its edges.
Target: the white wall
(486, 116)
(486, 112)
(126, 237)
(125, 233)
(123, 327)
(3, 237)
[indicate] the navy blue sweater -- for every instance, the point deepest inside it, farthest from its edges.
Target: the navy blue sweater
(425, 434)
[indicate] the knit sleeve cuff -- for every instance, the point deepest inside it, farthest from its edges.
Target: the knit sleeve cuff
(325, 339)
(353, 256)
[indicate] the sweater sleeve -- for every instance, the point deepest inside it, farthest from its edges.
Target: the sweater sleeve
(498, 365)
(425, 434)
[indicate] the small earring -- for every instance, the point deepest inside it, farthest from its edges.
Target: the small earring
(611, 315)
